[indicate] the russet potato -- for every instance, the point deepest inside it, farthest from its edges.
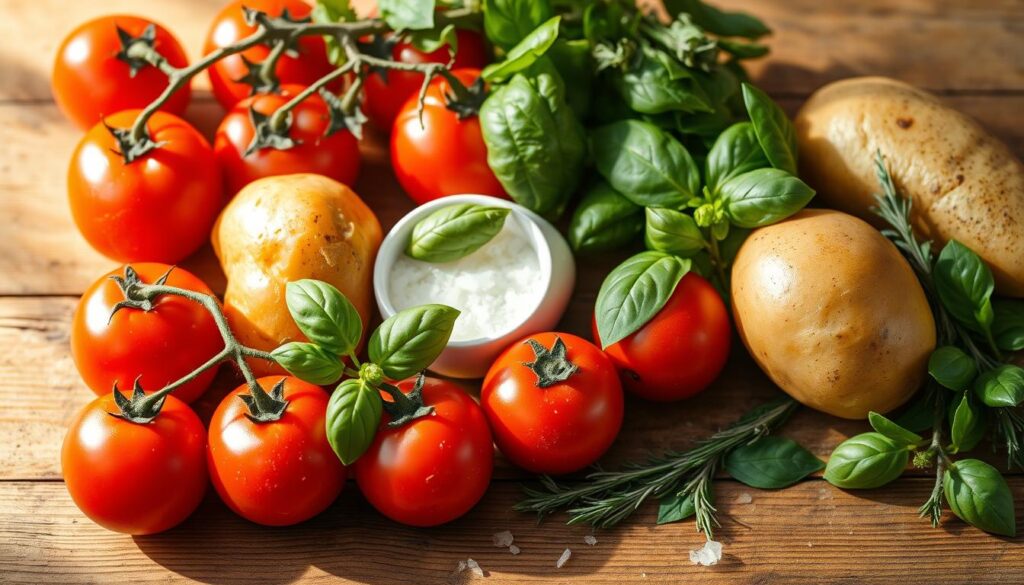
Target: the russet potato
(832, 313)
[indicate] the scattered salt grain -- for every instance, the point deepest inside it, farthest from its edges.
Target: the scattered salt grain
(502, 539)
(563, 559)
(707, 555)
(513, 549)
(475, 567)
(744, 498)
(589, 539)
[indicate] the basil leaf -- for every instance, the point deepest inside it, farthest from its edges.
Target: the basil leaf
(535, 145)
(774, 130)
(764, 196)
(324, 315)
(353, 414)
(735, 152)
(525, 53)
(965, 284)
(309, 362)
(893, 431)
(1008, 325)
(634, 292)
(455, 231)
(1001, 387)
(574, 64)
(673, 232)
(644, 163)
(952, 368)
(407, 14)
(409, 341)
(719, 22)
(433, 39)
(673, 508)
(866, 461)
(506, 22)
(978, 494)
(771, 463)
(604, 220)
(655, 83)
(742, 50)
(967, 424)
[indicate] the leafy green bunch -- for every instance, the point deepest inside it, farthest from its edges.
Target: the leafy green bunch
(973, 390)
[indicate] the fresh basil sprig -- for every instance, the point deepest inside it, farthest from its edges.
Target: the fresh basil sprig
(634, 292)
(763, 197)
(735, 152)
(979, 495)
(965, 285)
(506, 22)
(866, 461)
(604, 220)
(952, 368)
(525, 53)
(774, 130)
(455, 231)
(353, 414)
(309, 362)
(771, 463)
(324, 315)
(673, 232)
(410, 340)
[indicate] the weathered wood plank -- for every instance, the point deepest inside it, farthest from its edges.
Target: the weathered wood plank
(798, 535)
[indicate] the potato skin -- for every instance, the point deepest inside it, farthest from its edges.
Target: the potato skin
(832, 313)
(965, 184)
(286, 228)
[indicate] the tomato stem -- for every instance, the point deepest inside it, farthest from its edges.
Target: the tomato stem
(405, 407)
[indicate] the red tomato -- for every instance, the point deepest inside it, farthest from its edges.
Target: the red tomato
(433, 469)
(135, 478)
(159, 207)
(336, 156)
(309, 64)
(681, 350)
(90, 82)
(559, 425)
(385, 98)
(157, 346)
(280, 472)
(444, 156)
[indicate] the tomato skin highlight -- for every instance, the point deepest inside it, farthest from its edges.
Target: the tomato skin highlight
(90, 82)
(157, 347)
(681, 350)
(336, 156)
(444, 156)
(158, 208)
(135, 478)
(431, 470)
(384, 99)
(561, 428)
(275, 473)
(229, 27)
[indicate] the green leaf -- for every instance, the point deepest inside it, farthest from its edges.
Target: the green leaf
(655, 83)
(645, 164)
(673, 508)
(574, 64)
(455, 231)
(771, 463)
(979, 495)
(331, 11)
(1008, 325)
(409, 341)
(967, 425)
(506, 22)
(743, 50)
(898, 434)
(673, 232)
(1001, 387)
(719, 22)
(324, 315)
(353, 415)
(604, 220)
(634, 292)
(407, 14)
(309, 362)
(735, 152)
(763, 196)
(965, 284)
(525, 53)
(774, 130)
(952, 368)
(866, 461)
(433, 39)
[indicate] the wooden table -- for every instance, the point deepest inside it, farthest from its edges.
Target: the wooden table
(972, 53)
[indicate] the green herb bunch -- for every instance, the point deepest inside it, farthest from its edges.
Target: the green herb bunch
(973, 391)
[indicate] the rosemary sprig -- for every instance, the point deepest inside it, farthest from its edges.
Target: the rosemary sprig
(606, 498)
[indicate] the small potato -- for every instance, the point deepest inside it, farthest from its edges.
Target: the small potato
(832, 313)
(965, 184)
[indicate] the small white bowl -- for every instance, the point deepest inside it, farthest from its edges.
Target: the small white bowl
(472, 357)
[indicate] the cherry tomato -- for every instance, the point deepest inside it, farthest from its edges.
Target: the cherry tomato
(161, 206)
(280, 472)
(681, 350)
(444, 156)
(131, 477)
(90, 81)
(433, 469)
(553, 424)
(335, 156)
(303, 64)
(157, 346)
(384, 98)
